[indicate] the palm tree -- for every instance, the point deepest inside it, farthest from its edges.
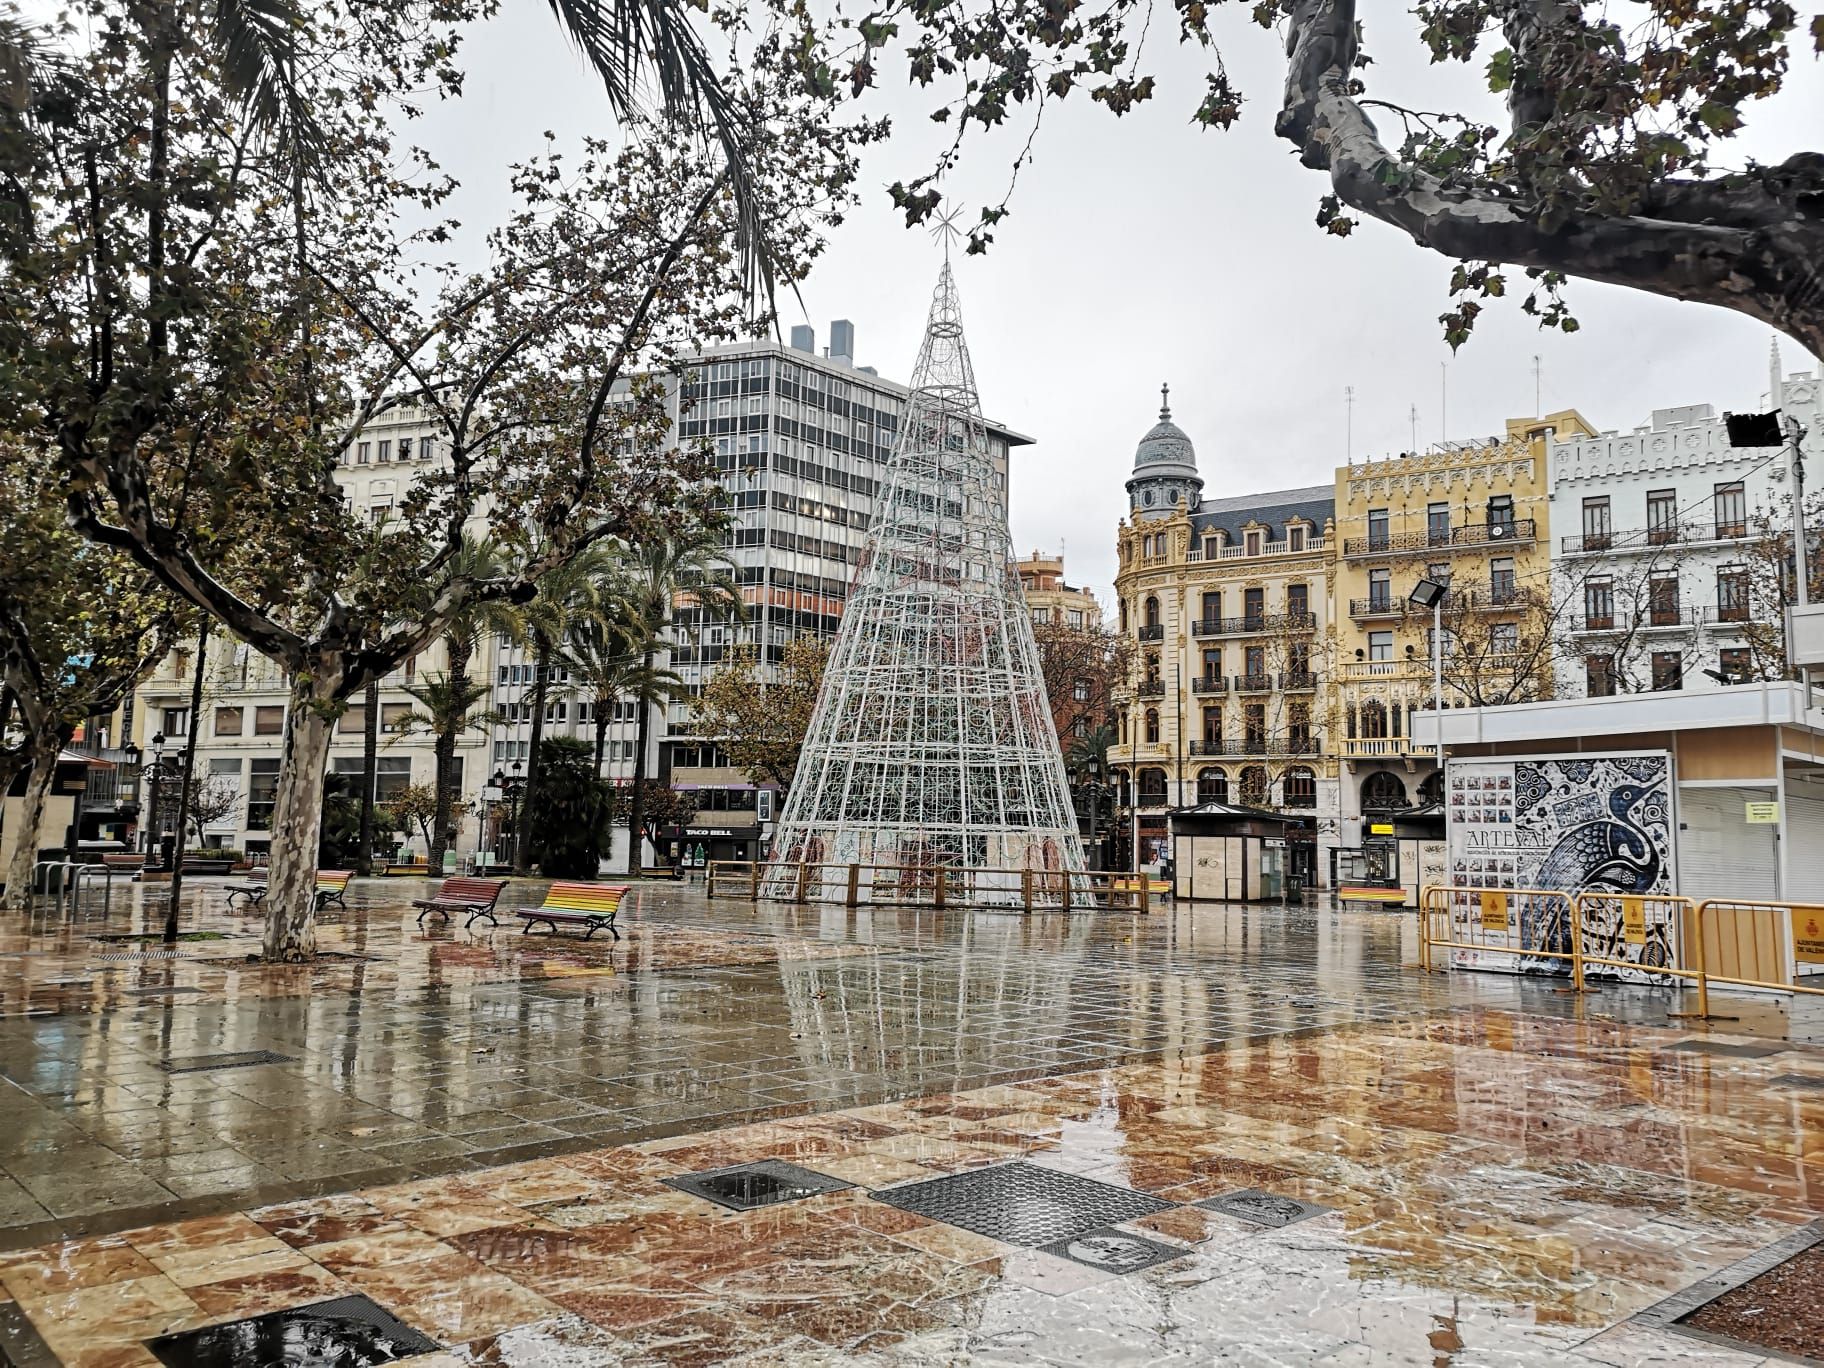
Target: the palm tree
(605, 658)
(655, 576)
(578, 592)
(477, 559)
(448, 706)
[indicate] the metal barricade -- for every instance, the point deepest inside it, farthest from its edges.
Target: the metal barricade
(1485, 921)
(1730, 933)
(938, 887)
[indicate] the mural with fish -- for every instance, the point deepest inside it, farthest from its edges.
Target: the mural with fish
(1582, 823)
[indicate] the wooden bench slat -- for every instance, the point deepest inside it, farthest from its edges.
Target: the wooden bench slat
(461, 893)
(576, 904)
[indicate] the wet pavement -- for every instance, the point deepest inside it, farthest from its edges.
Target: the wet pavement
(475, 1130)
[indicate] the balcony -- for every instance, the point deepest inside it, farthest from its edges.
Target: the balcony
(1150, 688)
(1358, 670)
(1210, 684)
(1156, 632)
(1641, 541)
(1417, 543)
(1727, 617)
(1254, 623)
(1377, 607)
(1151, 798)
(1278, 548)
(1653, 620)
(1241, 746)
(1382, 747)
(1298, 682)
(1253, 683)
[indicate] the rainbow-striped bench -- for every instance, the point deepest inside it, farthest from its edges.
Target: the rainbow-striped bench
(577, 904)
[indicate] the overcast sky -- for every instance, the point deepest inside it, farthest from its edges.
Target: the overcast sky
(1142, 250)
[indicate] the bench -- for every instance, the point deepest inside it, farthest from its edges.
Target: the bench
(409, 869)
(332, 885)
(576, 904)
(124, 862)
(473, 896)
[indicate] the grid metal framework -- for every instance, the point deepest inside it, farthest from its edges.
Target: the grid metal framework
(932, 742)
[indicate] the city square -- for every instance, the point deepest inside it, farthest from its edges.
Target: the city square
(626, 739)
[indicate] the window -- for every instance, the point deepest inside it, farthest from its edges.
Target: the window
(230, 764)
(1212, 607)
(1383, 792)
(1212, 662)
(1253, 543)
(1662, 600)
(362, 451)
(1079, 690)
(1732, 593)
(1374, 719)
(1662, 516)
(1599, 676)
(1152, 611)
(1731, 510)
(1076, 617)
(1598, 534)
(1668, 670)
(1212, 786)
(1298, 661)
(1300, 787)
(228, 722)
(1212, 725)
(262, 793)
(1735, 662)
(1380, 590)
(1152, 726)
(383, 451)
(353, 720)
(1439, 573)
(1298, 725)
(1298, 600)
(1440, 644)
(1504, 639)
(1255, 666)
(1253, 786)
(269, 721)
(1380, 645)
(1254, 727)
(1599, 604)
(405, 448)
(1253, 608)
(1501, 515)
(1437, 524)
(393, 717)
(1295, 539)
(1041, 615)
(1377, 529)
(1501, 586)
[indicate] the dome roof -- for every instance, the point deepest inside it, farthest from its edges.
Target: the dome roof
(1166, 444)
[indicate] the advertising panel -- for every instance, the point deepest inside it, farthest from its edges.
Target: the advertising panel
(1583, 823)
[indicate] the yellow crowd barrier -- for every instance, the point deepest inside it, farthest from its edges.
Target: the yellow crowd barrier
(1744, 944)
(936, 886)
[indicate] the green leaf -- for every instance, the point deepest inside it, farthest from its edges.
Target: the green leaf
(1501, 70)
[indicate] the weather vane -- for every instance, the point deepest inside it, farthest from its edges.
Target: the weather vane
(946, 231)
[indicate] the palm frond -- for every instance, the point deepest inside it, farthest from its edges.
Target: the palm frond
(256, 42)
(20, 54)
(627, 40)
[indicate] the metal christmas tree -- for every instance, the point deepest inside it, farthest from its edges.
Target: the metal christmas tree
(932, 744)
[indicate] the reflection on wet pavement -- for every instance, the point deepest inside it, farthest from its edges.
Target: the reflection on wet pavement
(476, 1133)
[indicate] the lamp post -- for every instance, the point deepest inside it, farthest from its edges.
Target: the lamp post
(511, 786)
(1430, 594)
(150, 843)
(130, 753)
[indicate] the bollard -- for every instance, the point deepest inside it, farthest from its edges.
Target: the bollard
(804, 882)
(1064, 888)
(854, 884)
(1026, 890)
(941, 888)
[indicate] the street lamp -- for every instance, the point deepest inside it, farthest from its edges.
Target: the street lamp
(1430, 594)
(511, 786)
(158, 758)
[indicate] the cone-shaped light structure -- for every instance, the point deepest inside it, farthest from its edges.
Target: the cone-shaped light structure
(932, 743)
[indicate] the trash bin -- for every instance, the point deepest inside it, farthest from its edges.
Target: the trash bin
(1295, 888)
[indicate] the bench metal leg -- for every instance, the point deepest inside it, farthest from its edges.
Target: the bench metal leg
(477, 915)
(604, 925)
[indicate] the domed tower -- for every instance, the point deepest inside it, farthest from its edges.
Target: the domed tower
(1165, 467)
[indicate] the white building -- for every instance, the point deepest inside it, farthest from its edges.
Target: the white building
(1660, 571)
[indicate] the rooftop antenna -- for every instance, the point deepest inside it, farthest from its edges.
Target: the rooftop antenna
(1443, 400)
(1348, 422)
(1538, 410)
(1414, 416)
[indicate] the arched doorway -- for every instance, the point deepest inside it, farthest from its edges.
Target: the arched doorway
(1383, 792)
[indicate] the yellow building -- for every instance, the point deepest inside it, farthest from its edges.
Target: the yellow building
(1050, 599)
(1227, 603)
(1472, 518)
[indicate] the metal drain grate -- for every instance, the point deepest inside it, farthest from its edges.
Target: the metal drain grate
(1114, 1251)
(348, 1332)
(1814, 1082)
(1263, 1208)
(138, 955)
(742, 1187)
(239, 1060)
(1717, 1047)
(1021, 1204)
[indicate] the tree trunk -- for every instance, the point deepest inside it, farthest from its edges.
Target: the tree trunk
(601, 734)
(440, 838)
(636, 809)
(188, 779)
(541, 682)
(31, 823)
(291, 898)
(370, 772)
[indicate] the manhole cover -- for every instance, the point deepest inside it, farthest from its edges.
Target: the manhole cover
(742, 1187)
(1263, 1208)
(1717, 1047)
(1021, 1204)
(1114, 1251)
(239, 1060)
(1814, 1082)
(348, 1332)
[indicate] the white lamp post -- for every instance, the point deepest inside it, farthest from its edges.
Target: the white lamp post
(1430, 594)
